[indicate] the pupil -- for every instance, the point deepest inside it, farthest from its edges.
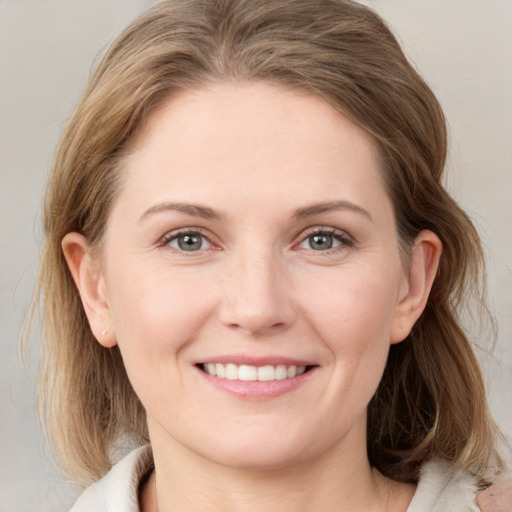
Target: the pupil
(321, 242)
(189, 242)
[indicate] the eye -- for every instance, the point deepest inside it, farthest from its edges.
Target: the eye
(189, 241)
(325, 239)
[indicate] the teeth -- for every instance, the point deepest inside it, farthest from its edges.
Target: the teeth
(232, 372)
(266, 373)
(246, 372)
(281, 372)
(220, 370)
(253, 373)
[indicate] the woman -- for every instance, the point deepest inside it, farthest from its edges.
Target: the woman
(251, 263)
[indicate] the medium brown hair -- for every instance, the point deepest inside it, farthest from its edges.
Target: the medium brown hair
(431, 401)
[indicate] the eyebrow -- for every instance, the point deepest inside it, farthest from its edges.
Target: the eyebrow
(204, 212)
(318, 208)
(195, 210)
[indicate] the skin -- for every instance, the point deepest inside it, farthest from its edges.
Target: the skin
(257, 157)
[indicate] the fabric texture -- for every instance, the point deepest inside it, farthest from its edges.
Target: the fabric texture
(439, 488)
(118, 490)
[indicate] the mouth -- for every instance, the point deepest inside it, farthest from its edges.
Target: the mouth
(256, 377)
(249, 373)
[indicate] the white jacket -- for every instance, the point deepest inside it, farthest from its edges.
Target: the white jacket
(439, 489)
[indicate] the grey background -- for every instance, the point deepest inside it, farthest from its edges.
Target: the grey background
(47, 47)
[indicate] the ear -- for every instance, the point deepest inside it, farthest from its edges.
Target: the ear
(423, 264)
(91, 285)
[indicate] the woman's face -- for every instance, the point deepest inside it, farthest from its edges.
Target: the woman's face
(253, 238)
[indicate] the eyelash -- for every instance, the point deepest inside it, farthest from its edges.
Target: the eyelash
(343, 238)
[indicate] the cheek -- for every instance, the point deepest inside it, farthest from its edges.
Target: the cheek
(156, 318)
(157, 314)
(353, 319)
(355, 311)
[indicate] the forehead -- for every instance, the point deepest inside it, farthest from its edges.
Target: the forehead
(254, 142)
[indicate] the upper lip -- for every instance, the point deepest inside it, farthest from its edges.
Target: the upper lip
(244, 359)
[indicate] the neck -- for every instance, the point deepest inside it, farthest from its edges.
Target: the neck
(337, 480)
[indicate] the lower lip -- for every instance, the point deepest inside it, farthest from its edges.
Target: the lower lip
(258, 390)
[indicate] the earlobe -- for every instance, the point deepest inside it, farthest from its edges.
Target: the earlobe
(423, 265)
(90, 283)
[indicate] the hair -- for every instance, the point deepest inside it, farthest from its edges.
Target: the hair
(431, 401)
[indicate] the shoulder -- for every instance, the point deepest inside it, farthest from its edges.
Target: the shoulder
(441, 488)
(498, 497)
(118, 489)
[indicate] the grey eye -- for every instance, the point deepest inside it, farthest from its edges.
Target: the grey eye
(322, 241)
(189, 242)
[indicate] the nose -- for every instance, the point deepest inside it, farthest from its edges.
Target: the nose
(257, 295)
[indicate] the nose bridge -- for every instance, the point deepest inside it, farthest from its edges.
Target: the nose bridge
(255, 295)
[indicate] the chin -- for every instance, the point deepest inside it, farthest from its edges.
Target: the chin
(268, 450)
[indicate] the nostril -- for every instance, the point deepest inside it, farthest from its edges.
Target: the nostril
(256, 324)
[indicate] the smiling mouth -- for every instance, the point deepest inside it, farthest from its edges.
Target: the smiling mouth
(250, 373)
